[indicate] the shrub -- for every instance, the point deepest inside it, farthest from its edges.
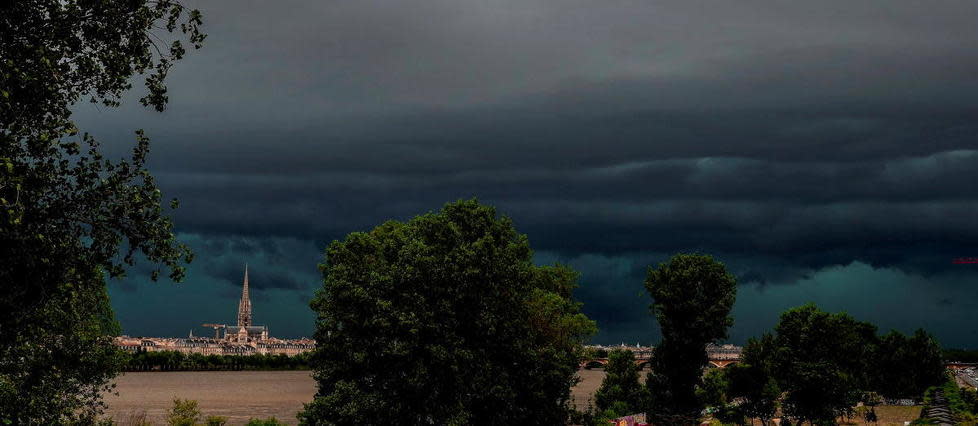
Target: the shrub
(271, 421)
(185, 412)
(216, 421)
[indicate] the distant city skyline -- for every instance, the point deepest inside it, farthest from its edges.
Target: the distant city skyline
(240, 338)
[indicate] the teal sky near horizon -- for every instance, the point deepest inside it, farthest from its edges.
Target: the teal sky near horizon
(907, 303)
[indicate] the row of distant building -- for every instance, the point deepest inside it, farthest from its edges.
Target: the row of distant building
(244, 338)
(719, 352)
(718, 356)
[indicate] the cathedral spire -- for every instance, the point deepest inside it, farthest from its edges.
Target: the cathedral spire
(244, 306)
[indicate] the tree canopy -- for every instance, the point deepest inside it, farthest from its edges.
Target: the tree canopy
(69, 216)
(825, 363)
(620, 390)
(752, 380)
(691, 298)
(905, 367)
(444, 319)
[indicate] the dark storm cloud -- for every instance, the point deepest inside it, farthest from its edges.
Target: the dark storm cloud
(274, 264)
(901, 212)
(797, 142)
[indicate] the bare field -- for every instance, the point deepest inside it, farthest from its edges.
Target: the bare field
(240, 395)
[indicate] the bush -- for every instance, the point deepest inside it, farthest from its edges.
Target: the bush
(216, 421)
(185, 412)
(271, 421)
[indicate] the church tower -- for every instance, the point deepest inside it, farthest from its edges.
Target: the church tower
(244, 306)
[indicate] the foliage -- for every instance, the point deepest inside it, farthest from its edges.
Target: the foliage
(713, 390)
(69, 216)
(592, 353)
(753, 380)
(822, 361)
(596, 417)
(177, 361)
(692, 297)
(969, 400)
(216, 421)
(184, 412)
(444, 319)
(871, 415)
(906, 367)
(825, 363)
(961, 402)
(271, 421)
(715, 394)
(620, 386)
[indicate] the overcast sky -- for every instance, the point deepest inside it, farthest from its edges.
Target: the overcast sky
(825, 151)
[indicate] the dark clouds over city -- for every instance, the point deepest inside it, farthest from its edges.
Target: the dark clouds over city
(825, 151)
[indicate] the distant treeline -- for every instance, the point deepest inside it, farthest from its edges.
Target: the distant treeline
(961, 355)
(178, 361)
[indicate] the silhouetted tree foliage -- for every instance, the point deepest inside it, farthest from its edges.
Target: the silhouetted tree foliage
(691, 298)
(713, 393)
(444, 319)
(822, 361)
(906, 366)
(825, 363)
(68, 216)
(621, 384)
(753, 380)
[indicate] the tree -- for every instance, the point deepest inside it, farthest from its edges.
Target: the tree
(753, 380)
(821, 361)
(892, 356)
(216, 421)
(906, 366)
(924, 362)
(714, 393)
(691, 298)
(620, 384)
(69, 216)
(444, 319)
(714, 389)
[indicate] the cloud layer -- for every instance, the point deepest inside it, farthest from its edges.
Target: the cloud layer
(793, 141)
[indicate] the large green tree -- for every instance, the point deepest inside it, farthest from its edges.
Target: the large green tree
(69, 216)
(691, 298)
(822, 362)
(444, 319)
